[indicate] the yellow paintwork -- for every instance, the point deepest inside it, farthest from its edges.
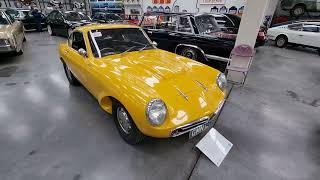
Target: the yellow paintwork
(134, 78)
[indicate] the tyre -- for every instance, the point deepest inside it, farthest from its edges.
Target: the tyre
(281, 41)
(71, 78)
(319, 51)
(125, 125)
(50, 30)
(298, 10)
(190, 53)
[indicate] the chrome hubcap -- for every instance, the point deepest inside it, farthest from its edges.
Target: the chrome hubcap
(123, 120)
(189, 54)
(281, 42)
(298, 11)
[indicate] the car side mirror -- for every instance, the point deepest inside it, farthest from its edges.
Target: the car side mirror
(82, 52)
(154, 43)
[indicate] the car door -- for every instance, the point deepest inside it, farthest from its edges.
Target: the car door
(310, 35)
(59, 24)
(293, 33)
(75, 61)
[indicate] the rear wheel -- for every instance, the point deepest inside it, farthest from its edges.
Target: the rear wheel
(281, 41)
(71, 78)
(125, 125)
(298, 10)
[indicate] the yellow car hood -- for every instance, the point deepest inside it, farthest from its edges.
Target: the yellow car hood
(187, 87)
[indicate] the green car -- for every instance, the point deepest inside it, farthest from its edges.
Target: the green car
(299, 7)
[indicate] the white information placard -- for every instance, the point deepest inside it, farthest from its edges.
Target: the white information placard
(214, 146)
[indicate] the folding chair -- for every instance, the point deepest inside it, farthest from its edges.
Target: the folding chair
(241, 60)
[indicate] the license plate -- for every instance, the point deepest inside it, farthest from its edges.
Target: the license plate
(197, 130)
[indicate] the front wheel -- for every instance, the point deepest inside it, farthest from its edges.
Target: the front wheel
(281, 41)
(297, 11)
(125, 125)
(71, 78)
(190, 53)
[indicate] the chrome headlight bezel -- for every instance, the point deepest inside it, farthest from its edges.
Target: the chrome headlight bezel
(222, 81)
(149, 109)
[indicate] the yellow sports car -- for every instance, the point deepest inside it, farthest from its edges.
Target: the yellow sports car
(150, 92)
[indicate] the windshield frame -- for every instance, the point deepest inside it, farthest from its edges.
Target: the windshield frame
(94, 43)
(3, 14)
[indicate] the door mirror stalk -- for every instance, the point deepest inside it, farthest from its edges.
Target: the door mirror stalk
(154, 43)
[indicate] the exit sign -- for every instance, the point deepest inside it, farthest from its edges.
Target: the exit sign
(212, 1)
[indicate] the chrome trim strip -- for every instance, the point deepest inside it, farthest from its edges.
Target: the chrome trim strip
(218, 58)
(199, 122)
(202, 85)
(182, 94)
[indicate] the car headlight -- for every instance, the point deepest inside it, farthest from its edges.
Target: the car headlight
(222, 81)
(156, 112)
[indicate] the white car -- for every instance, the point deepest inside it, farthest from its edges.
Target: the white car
(306, 34)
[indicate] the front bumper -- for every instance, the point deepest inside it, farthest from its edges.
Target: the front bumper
(6, 48)
(204, 120)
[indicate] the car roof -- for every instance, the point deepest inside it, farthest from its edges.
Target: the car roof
(104, 26)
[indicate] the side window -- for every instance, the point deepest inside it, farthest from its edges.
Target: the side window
(295, 27)
(167, 23)
(184, 25)
(78, 41)
(149, 22)
(52, 15)
(311, 29)
(59, 17)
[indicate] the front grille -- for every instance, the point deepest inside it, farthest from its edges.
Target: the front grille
(188, 127)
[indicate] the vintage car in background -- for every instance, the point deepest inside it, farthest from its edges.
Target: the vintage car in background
(29, 21)
(231, 23)
(306, 34)
(11, 35)
(103, 17)
(197, 37)
(62, 23)
(200, 37)
(150, 92)
(299, 7)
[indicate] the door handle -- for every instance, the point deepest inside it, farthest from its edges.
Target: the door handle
(172, 34)
(300, 35)
(150, 32)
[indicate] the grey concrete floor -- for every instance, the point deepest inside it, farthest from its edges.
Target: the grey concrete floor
(50, 130)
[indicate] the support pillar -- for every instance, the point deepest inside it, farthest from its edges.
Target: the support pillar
(251, 20)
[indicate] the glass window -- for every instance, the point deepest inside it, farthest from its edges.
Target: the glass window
(115, 41)
(206, 24)
(184, 25)
(78, 41)
(295, 27)
(75, 16)
(59, 17)
(311, 28)
(3, 19)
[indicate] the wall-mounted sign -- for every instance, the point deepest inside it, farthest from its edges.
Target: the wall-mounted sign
(212, 1)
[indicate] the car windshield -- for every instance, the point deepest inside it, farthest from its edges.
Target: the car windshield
(206, 24)
(3, 19)
(106, 42)
(75, 16)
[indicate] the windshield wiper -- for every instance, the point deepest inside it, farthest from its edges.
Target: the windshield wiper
(129, 49)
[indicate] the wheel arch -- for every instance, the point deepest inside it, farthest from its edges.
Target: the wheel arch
(179, 47)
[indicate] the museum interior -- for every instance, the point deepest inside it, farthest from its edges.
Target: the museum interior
(159, 89)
